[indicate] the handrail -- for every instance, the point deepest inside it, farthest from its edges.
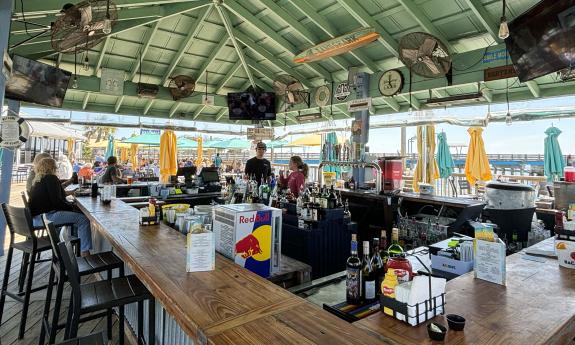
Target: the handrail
(352, 164)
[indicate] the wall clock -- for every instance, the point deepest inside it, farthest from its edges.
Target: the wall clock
(390, 83)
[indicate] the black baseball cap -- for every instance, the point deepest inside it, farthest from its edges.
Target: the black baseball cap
(261, 145)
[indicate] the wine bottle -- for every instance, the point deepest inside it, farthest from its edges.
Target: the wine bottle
(353, 275)
(378, 265)
(368, 274)
(346, 212)
(394, 249)
(332, 199)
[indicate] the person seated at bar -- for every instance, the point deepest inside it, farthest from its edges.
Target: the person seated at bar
(97, 167)
(32, 174)
(258, 167)
(128, 170)
(86, 171)
(113, 174)
(65, 169)
(48, 197)
(296, 179)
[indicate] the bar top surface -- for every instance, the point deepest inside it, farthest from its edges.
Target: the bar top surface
(229, 305)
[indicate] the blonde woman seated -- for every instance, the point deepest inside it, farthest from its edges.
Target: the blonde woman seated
(48, 197)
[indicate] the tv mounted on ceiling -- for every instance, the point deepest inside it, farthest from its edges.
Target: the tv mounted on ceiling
(252, 106)
(542, 40)
(36, 82)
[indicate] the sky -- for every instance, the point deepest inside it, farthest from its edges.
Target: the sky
(499, 138)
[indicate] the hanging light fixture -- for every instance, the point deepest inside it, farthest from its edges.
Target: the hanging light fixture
(86, 64)
(503, 28)
(107, 29)
(75, 81)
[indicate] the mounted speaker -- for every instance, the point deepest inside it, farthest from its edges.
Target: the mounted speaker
(147, 90)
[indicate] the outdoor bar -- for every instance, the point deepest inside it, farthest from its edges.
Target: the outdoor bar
(279, 172)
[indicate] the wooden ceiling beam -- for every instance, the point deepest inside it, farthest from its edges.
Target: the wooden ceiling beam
(119, 103)
(101, 56)
(174, 108)
(485, 18)
(228, 76)
(148, 106)
(365, 19)
(221, 113)
(86, 99)
(197, 27)
(148, 37)
(215, 52)
(534, 88)
(424, 22)
(236, 44)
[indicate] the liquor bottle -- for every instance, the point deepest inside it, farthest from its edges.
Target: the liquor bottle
(324, 198)
(394, 249)
(264, 190)
(353, 275)
(368, 274)
(339, 200)
(378, 265)
(346, 212)
(332, 199)
(352, 183)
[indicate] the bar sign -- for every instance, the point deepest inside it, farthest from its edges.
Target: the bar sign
(496, 73)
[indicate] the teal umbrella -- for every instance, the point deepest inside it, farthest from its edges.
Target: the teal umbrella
(144, 139)
(553, 161)
(274, 144)
(211, 144)
(444, 159)
(233, 144)
(185, 143)
(110, 147)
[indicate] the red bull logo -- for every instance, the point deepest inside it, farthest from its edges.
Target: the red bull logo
(248, 246)
(256, 218)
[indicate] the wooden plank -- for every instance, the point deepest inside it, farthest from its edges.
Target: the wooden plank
(536, 307)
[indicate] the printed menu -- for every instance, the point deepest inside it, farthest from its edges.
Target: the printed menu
(490, 261)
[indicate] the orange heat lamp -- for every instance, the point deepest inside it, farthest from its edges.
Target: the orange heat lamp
(338, 45)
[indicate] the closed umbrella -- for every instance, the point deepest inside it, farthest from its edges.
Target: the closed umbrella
(168, 155)
(134, 155)
(110, 147)
(553, 160)
(444, 159)
(476, 164)
(70, 147)
(426, 170)
(200, 158)
(123, 154)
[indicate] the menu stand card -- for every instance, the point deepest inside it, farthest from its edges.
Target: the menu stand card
(201, 252)
(490, 261)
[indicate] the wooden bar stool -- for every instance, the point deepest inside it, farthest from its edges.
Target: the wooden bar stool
(95, 263)
(19, 222)
(105, 295)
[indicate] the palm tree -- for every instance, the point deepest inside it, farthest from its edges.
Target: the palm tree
(100, 132)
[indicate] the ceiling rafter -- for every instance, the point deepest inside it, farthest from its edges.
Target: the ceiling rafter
(534, 88)
(411, 100)
(119, 103)
(284, 67)
(228, 76)
(198, 111)
(281, 42)
(102, 54)
(302, 30)
(197, 26)
(424, 22)
(484, 17)
(148, 37)
(174, 108)
(365, 19)
(392, 103)
(326, 27)
(221, 113)
(239, 50)
(86, 99)
(215, 52)
(148, 106)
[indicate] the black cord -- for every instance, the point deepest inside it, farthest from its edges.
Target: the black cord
(476, 63)
(24, 17)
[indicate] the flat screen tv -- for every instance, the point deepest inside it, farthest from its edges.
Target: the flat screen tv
(542, 40)
(252, 106)
(36, 82)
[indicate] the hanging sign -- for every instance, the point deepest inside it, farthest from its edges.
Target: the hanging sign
(260, 133)
(14, 131)
(342, 91)
(360, 104)
(496, 73)
(112, 82)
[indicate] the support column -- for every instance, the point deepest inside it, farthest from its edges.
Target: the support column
(403, 148)
(7, 155)
(361, 140)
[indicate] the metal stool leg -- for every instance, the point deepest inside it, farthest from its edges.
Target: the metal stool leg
(5, 281)
(56, 314)
(46, 314)
(23, 272)
(121, 316)
(151, 321)
(27, 297)
(109, 322)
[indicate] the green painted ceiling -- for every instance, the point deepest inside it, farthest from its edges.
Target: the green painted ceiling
(258, 40)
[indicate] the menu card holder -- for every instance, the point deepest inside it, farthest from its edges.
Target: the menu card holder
(201, 252)
(490, 261)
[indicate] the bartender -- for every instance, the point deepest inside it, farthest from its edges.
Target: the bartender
(113, 174)
(258, 167)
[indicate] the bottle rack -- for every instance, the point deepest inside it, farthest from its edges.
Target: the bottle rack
(432, 307)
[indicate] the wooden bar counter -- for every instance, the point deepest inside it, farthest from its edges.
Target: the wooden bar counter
(536, 307)
(229, 305)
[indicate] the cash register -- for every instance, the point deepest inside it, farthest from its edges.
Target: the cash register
(209, 180)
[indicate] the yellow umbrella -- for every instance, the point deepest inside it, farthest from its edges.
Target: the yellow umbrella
(200, 148)
(71, 143)
(431, 168)
(134, 155)
(476, 164)
(168, 155)
(123, 154)
(104, 143)
(311, 140)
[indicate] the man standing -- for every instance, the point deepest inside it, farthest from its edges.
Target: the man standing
(258, 167)
(217, 161)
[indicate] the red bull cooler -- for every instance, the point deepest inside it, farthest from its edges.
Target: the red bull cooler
(249, 234)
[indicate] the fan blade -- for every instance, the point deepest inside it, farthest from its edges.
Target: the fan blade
(294, 86)
(291, 97)
(431, 65)
(428, 47)
(410, 54)
(85, 16)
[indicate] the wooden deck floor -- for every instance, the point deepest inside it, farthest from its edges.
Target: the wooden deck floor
(12, 309)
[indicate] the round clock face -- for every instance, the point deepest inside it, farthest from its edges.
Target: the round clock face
(390, 83)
